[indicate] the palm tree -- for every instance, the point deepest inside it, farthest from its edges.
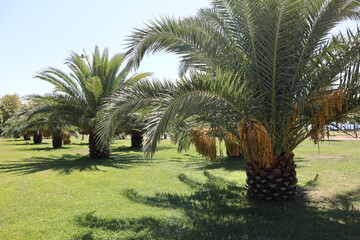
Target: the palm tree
(134, 125)
(19, 125)
(37, 126)
(78, 96)
(47, 126)
(9, 105)
(265, 74)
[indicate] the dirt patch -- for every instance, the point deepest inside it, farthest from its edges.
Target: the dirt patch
(342, 137)
(81, 151)
(317, 195)
(326, 156)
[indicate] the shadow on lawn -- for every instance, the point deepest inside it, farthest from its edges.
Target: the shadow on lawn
(37, 148)
(67, 163)
(126, 149)
(201, 164)
(228, 164)
(135, 149)
(80, 143)
(25, 143)
(219, 209)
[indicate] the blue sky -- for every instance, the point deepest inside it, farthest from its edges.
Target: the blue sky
(40, 33)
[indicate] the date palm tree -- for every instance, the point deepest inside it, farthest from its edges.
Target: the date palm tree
(265, 75)
(132, 124)
(19, 125)
(79, 95)
(37, 126)
(47, 127)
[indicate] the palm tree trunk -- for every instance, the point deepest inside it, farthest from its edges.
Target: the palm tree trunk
(26, 137)
(233, 150)
(37, 138)
(234, 155)
(66, 138)
(273, 183)
(94, 148)
(355, 130)
(136, 139)
(57, 141)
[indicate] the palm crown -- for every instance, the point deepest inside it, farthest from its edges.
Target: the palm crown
(266, 75)
(278, 52)
(78, 96)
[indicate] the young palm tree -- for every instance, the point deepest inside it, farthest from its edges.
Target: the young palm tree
(266, 76)
(18, 125)
(37, 126)
(78, 96)
(134, 125)
(47, 127)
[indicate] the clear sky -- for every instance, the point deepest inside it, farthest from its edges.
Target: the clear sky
(40, 33)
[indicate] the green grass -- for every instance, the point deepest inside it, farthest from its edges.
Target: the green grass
(62, 194)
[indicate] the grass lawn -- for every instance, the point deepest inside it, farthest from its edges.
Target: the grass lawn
(62, 194)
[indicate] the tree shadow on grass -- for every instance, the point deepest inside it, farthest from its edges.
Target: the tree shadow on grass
(80, 143)
(126, 149)
(334, 140)
(67, 164)
(200, 163)
(299, 161)
(228, 164)
(235, 164)
(37, 148)
(135, 149)
(13, 140)
(163, 147)
(219, 209)
(25, 143)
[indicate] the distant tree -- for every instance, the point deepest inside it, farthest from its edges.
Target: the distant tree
(9, 105)
(133, 124)
(37, 127)
(18, 125)
(79, 96)
(354, 119)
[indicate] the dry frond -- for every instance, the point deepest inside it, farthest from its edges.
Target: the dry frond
(46, 134)
(232, 145)
(204, 143)
(329, 106)
(66, 138)
(256, 143)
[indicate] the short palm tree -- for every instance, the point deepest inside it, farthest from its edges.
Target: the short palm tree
(78, 96)
(132, 124)
(19, 125)
(47, 127)
(37, 126)
(266, 75)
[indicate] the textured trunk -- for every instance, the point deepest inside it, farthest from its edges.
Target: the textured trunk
(136, 139)
(66, 139)
(233, 150)
(37, 138)
(57, 141)
(273, 183)
(26, 137)
(355, 130)
(95, 150)
(234, 156)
